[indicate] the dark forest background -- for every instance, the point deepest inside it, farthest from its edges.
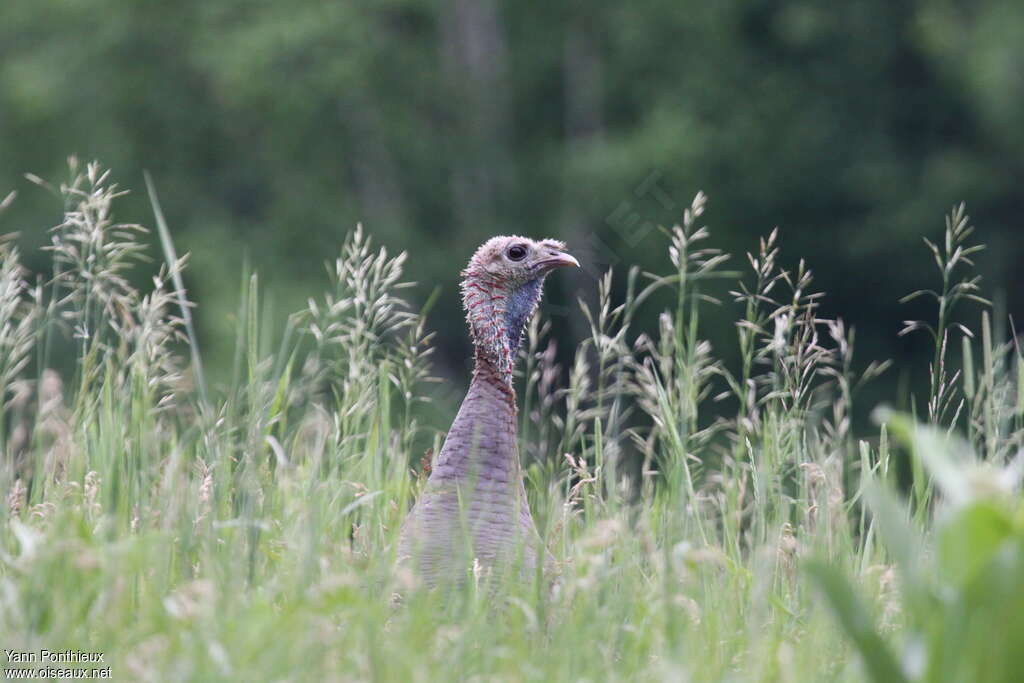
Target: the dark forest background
(272, 128)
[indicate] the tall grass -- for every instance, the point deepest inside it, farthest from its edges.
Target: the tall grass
(708, 522)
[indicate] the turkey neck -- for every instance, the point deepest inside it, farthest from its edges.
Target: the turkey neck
(481, 442)
(497, 312)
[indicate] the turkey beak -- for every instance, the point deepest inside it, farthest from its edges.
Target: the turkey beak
(558, 259)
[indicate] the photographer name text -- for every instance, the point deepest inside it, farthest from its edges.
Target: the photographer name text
(53, 657)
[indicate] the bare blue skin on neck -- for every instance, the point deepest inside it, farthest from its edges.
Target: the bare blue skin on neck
(521, 305)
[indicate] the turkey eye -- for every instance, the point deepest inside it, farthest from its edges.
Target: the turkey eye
(517, 253)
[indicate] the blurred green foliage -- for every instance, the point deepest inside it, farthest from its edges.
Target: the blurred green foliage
(272, 128)
(963, 602)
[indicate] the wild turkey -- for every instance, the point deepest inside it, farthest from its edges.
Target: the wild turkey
(473, 509)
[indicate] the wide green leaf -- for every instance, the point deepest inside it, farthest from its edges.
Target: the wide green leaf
(970, 538)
